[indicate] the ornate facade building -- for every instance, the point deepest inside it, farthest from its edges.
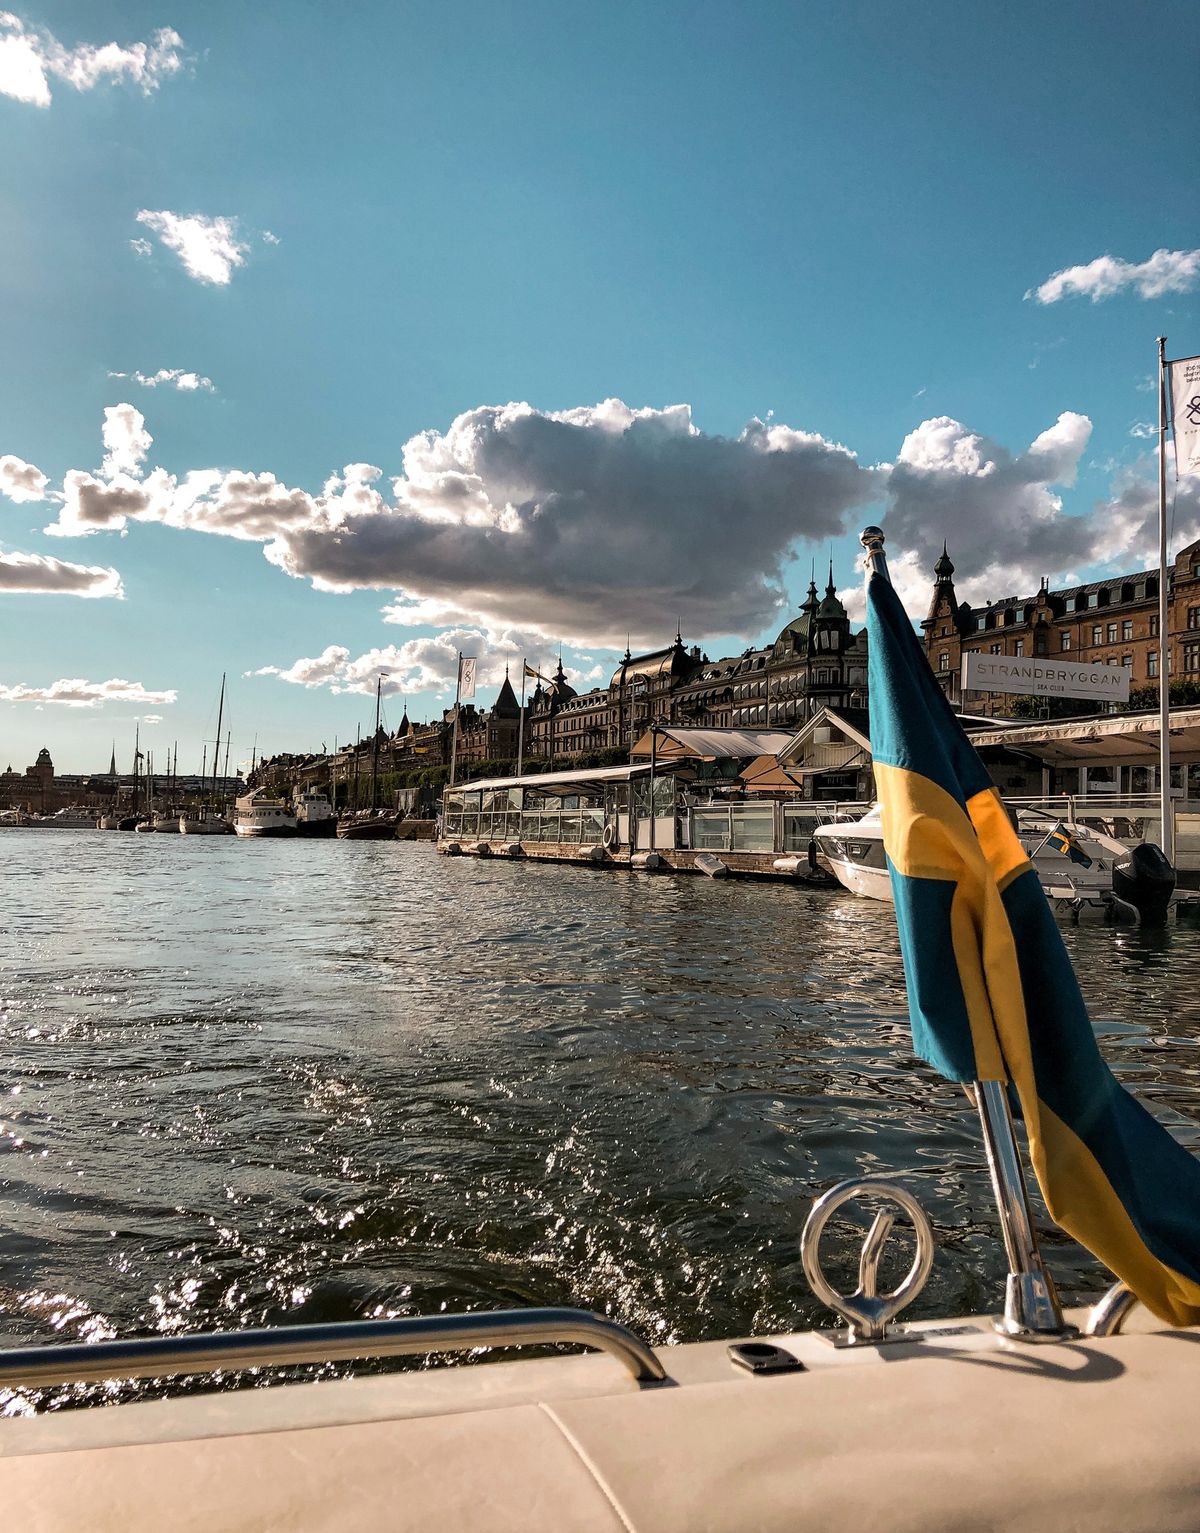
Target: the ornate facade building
(1111, 622)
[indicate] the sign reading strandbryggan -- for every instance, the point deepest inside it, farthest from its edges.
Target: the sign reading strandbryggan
(1044, 678)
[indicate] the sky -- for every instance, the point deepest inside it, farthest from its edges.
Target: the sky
(336, 340)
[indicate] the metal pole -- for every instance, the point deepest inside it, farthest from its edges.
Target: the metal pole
(521, 722)
(1166, 807)
(1031, 1308)
(454, 735)
(653, 772)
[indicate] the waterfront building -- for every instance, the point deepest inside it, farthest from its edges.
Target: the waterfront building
(1112, 621)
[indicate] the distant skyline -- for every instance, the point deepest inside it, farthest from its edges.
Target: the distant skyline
(337, 340)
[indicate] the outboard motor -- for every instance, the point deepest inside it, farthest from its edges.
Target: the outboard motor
(1146, 880)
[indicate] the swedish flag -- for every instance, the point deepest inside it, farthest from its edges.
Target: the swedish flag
(992, 994)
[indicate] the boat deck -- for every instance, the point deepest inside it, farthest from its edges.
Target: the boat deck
(961, 1430)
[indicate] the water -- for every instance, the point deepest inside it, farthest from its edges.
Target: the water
(271, 1082)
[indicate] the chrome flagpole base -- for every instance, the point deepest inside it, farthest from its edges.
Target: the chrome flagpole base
(1031, 1309)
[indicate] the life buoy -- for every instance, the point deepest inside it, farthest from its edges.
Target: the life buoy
(609, 838)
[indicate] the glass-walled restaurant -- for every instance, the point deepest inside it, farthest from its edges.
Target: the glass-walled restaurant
(564, 808)
(613, 807)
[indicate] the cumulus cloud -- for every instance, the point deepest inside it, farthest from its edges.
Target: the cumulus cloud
(151, 718)
(75, 692)
(208, 247)
(37, 574)
(598, 522)
(126, 441)
(172, 377)
(429, 663)
(1166, 271)
(20, 481)
(1001, 512)
(30, 57)
(601, 520)
(318, 671)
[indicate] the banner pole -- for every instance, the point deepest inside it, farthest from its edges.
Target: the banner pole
(1166, 806)
(454, 735)
(1032, 1311)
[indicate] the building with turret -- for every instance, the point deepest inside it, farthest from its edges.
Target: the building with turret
(1111, 622)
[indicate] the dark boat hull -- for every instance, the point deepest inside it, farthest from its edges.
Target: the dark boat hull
(366, 830)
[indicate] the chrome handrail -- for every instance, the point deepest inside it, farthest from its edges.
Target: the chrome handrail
(278, 1347)
(1108, 1315)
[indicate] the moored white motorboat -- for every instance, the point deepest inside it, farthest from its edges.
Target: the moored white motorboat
(204, 822)
(1076, 864)
(166, 822)
(258, 814)
(314, 813)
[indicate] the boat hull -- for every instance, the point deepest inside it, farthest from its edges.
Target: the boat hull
(367, 830)
(317, 828)
(260, 832)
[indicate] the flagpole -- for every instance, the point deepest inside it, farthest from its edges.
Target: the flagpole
(454, 736)
(521, 721)
(1166, 807)
(1031, 1308)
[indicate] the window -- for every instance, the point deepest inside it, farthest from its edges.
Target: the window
(1111, 634)
(1097, 634)
(943, 661)
(1191, 656)
(1066, 641)
(1093, 598)
(1019, 647)
(1154, 626)
(1127, 628)
(997, 649)
(1152, 663)
(1127, 662)
(1194, 617)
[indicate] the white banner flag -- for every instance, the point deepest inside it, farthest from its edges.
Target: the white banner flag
(1185, 413)
(466, 677)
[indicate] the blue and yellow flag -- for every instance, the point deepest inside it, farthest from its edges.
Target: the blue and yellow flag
(991, 991)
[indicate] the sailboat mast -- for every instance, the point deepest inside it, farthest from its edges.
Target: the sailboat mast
(217, 751)
(137, 762)
(375, 749)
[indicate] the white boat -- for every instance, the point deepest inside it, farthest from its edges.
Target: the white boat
(945, 1423)
(314, 813)
(66, 819)
(1076, 864)
(258, 814)
(204, 822)
(167, 822)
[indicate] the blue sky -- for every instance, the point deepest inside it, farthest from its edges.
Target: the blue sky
(823, 219)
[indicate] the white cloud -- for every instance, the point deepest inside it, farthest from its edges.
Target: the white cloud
(29, 57)
(269, 238)
(602, 520)
(37, 574)
(126, 441)
(74, 692)
(1143, 429)
(429, 663)
(208, 247)
(20, 481)
(141, 247)
(999, 511)
(172, 377)
(1166, 271)
(316, 672)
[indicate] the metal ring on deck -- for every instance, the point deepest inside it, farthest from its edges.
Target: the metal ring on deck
(865, 1311)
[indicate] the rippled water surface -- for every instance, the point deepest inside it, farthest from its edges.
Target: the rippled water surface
(267, 1082)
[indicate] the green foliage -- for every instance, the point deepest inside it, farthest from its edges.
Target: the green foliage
(1051, 708)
